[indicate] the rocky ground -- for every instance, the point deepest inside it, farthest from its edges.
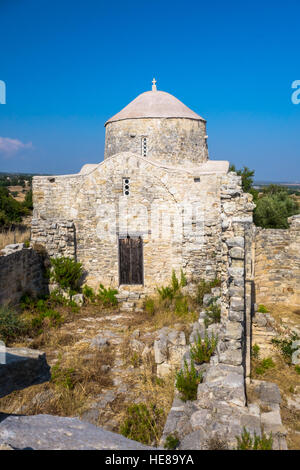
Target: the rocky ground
(119, 345)
(280, 322)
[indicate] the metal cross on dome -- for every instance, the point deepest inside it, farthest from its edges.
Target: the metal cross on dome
(153, 84)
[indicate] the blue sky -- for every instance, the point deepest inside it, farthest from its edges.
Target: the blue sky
(69, 66)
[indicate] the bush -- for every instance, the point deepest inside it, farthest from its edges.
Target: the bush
(166, 293)
(142, 423)
(213, 314)
(107, 296)
(11, 325)
(273, 209)
(202, 350)
(149, 306)
(187, 380)
(246, 442)
(204, 287)
(285, 346)
(297, 369)
(262, 309)
(169, 292)
(183, 279)
(264, 365)
(255, 351)
(66, 273)
(171, 442)
(52, 317)
(88, 294)
(63, 377)
(181, 306)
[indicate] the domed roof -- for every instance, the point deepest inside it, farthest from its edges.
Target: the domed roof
(155, 104)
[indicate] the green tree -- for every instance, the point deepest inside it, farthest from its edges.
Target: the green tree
(28, 200)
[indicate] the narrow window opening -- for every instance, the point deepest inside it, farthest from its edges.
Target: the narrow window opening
(126, 186)
(144, 146)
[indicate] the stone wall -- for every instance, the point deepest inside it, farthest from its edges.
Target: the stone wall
(173, 140)
(83, 216)
(21, 269)
(277, 264)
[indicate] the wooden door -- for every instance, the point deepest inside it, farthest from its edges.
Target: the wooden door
(131, 260)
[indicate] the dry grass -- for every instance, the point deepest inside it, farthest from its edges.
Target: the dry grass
(14, 236)
(76, 380)
(283, 374)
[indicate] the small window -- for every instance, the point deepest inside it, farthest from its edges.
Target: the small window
(197, 180)
(144, 146)
(126, 186)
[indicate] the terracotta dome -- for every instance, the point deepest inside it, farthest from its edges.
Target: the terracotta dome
(155, 104)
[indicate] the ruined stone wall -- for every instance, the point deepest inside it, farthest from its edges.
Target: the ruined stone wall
(277, 264)
(174, 141)
(83, 215)
(21, 270)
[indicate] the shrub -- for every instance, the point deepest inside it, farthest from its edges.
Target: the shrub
(297, 369)
(66, 273)
(204, 287)
(174, 282)
(264, 365)
(181, 305)
(11, 325)
(142, 423)
(187, 380)
(202, 350)
(107, 296)
(255, 351)
(213, 314)
(274, 207)
(149, 306)
(166, 293)
(88, 293)
(171, 442)
(246, 442)
(52, 317)
(285, 346)
(63, 377)
(183, 279)
(262, 309)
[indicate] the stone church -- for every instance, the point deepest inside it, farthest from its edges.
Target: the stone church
(156, 203)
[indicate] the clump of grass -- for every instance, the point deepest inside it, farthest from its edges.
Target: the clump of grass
(255, 351)
(11, 325)
(264, 365)
(262, 309)
(213, 314)
(141, 423)
(187, 380)
(149, 306)
(171, 441)
(204, 287)
(89, 294)
(66, 272)
(63, 377)
(107, 296)
(202, 350)
(135, 360)
(285, 346)
(247, 442)
(297, 369)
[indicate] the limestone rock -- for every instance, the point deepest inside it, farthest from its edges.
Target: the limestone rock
(45, 432)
